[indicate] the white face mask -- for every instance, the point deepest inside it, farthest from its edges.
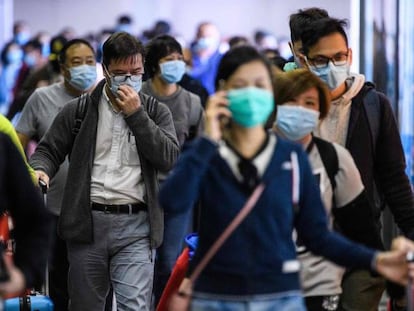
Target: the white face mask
(295, 122)
(332, 75)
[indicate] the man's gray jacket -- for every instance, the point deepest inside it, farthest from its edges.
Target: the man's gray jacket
(157, 145)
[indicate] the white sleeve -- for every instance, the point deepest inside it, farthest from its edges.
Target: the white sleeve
(348, 180)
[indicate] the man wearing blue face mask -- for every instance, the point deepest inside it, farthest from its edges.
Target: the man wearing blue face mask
(78, 67)
(206, 55)
(110, 216)
(362, 120)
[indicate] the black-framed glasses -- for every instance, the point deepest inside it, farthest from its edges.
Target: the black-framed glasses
(321, 62)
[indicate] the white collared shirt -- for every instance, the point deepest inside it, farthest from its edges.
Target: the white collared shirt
(116, 173)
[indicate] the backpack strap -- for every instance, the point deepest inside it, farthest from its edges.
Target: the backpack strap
(373, 112)
(80, 113)
(329, 158)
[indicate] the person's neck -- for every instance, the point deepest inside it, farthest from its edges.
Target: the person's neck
(162, 88)
(247, 141)
(71, 90)
(339, 91)
(305, 140)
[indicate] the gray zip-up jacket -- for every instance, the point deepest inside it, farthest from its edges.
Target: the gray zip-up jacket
(158, 149)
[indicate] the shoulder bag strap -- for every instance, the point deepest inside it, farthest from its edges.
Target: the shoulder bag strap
(248, 206)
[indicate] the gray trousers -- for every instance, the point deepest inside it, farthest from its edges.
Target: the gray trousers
(121, 255)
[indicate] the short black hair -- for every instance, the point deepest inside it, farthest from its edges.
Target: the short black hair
(322, 28)
(120, 46)
(34, 44)
(62, 54)
(237, 57)
(158, 48)
(300, 20)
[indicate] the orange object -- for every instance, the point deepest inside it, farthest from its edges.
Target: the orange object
(177, 275)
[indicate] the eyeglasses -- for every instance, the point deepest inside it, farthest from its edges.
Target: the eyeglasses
(122, 78)
(321, 62)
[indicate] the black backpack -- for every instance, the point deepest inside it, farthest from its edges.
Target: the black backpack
(329, 158)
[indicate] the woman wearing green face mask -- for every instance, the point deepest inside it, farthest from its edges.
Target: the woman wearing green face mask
(303, 100)
(257, 267)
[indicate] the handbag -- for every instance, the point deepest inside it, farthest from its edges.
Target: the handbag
(180, 300)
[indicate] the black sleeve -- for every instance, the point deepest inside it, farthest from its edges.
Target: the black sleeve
(32, 226)
(356, 222)
(390, 167)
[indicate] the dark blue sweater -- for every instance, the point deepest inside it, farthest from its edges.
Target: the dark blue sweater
(252, 260)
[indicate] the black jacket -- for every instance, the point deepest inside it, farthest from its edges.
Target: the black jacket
(32, 227)
(382, 170)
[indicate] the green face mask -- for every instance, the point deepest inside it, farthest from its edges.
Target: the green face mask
(250, 106)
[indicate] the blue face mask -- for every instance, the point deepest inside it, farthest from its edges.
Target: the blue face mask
(133, 81)
(250, 106)
(82, 77)
(295, 122)
(172, 71)
(14, 56)
(205, 43)
(332, 75)
(30, 60)
(22, 38)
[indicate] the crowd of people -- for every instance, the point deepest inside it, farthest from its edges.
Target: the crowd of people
(141, 140)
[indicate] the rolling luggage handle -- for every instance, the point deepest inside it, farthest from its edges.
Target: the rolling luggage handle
(43, 187)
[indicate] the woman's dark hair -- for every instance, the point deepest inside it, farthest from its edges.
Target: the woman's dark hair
(288, 85)
(62, 53)
(158, 48)
(237, 57)
(120, 46)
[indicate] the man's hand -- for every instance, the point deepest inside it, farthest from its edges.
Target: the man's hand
(40, 175)
(128, 100)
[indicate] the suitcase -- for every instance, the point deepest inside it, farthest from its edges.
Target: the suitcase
(32, 302)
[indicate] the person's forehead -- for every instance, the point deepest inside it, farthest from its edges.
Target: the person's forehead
(79, 50)
(125, 63)
(332, 43)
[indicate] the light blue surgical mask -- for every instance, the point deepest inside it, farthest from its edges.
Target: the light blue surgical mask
(134, 81)
(250, 106)
(14, 56)
(332, 75)
(205, 43)
(22, 38)
(172, 71)
(82, 77)
(30, 60)
(295, 122)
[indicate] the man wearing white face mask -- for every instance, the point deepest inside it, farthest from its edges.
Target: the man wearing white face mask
(362, 120)
(110, 216)
(78, 67)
